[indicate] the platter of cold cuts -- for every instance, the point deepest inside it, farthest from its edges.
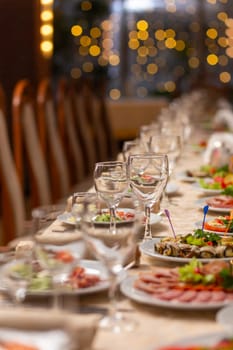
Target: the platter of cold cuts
(221, 203)
(192, 286)
(202, 245)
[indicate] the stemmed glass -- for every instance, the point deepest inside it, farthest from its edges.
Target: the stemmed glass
(114, 250)
(111, 184)
(148, 176)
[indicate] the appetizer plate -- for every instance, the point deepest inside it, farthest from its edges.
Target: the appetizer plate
(171, 188)
(148, 249)
(183, 177)
(225, 317)
(210, 339)
(199, 225)
(128, 289)
(68, 218)
(92, 267)
(207, 191)
(202, 202)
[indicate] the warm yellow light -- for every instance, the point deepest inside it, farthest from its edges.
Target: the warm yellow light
(107, 43)
(46, 29)
(160, 34)
(142, 51)
(86, 5)
(212, 59)
(152, 51)
(212, 33)
(222, 16)
(76, 30)
(180, 45)
(133, 44)
(94, 50)
(114, 60)
(212, 2)
(75, 73)
(170, 43)
(85, 40)
(225, 77)
(46, 2)
(115, 94)
(170, 86)
(229, 52)
(229, 32)
(170, 33)
(95, 32)
(194, 62)
(141, 60)
(83, 50)
(152, 68)
(46, 15)
(106, 25)
(87, 67)
(133, 34)
(143, 35)
(222, 41)
(46, 46)
(229, 22)
(102, 61)
(142, 25)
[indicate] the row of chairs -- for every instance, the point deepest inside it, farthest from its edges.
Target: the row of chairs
(49, 146)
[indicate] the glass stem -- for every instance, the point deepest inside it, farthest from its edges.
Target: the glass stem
(112, 297)
(147, 234)
(113, 220)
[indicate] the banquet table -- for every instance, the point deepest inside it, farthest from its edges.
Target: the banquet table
(157, 326)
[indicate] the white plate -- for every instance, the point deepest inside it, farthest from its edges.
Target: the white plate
(67, 218)
(202, 202)
(210, 339)
(127, 288)
(183, 177)
(92, 267)
(147, 248)
(206, 190)
(171, 188)
(199, 225)
(225, 317)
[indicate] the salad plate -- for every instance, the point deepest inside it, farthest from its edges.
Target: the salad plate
(124, 215)
(207, 191)
(128, 289)
(91, 267)
(148, 248)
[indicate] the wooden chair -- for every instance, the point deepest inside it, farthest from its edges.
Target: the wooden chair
(13, 205)
(29, 158)
(51, 142)
(68, 131)
(84, 127)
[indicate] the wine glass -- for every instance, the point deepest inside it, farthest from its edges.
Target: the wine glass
(114, 249)
(58, 261)
(16, 277)
(111, 184)
(169, 144)
(148, 176)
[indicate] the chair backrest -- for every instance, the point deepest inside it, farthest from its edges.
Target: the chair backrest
(26, 142)
(84, 126)
(51, 142)
(13, 206)
(68, 130)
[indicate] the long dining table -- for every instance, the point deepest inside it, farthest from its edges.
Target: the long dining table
(158, 325)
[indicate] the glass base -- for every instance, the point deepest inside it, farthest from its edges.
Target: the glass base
(118, 323)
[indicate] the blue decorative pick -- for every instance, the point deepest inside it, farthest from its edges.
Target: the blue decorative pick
(166, 211)
(205, 210)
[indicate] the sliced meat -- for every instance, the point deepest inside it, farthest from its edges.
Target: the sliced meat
(221, 201)
(203, 296)
(145, 287)
(187, 296)
(218, 295)
(171, 294)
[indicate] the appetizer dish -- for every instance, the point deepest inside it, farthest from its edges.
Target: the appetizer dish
(41, 280)
(194, 282)
(223, 224)
(217, 182)
(199, 244)
(223, 344)
(222, 201)
(207, 171)
(121, 216)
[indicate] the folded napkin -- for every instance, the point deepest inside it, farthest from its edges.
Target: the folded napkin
(219, 149)
(48, 330)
